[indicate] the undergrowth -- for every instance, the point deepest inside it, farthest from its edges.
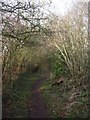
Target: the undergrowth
(16, 98)
(68, 100)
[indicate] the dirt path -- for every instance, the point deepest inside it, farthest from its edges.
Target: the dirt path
(37, 105)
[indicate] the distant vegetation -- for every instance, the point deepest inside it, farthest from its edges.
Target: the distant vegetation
(37, 42)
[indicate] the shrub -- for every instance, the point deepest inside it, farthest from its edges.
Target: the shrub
(58, 67)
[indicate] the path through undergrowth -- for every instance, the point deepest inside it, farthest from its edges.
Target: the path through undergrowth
(25, 99)
(37, 106)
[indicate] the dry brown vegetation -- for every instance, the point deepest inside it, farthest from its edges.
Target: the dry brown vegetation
(36, 43)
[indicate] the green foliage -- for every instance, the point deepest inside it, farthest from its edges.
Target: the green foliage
(58, 67)
(25, 42)
(18, 95)
(68, 100)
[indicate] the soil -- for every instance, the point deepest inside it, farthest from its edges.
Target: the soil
(37, 106)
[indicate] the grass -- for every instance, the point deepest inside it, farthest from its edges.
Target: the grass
(68, 100)
(19, 95)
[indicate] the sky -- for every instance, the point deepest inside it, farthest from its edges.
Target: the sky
(59, 7)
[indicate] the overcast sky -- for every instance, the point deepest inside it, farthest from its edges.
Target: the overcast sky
(60, 7)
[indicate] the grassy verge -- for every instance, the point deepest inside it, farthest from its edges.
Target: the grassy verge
(67, 100)
(16, 105)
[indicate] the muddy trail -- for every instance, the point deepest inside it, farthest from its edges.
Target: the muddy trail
(37, 108)
(30, 102)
